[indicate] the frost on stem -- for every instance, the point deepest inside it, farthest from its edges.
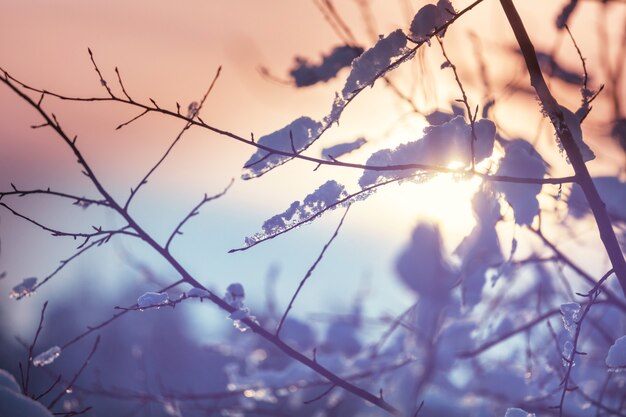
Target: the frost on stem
(343, 148)
(573, 124)
(47, 357)
(521, 160)
(234, 296)
(25, 288)
(429, 18)
(440, 146)
(616, 358)
(305, 73)
(325, 196)
(293, 138)
(570, 313)
(152, 299)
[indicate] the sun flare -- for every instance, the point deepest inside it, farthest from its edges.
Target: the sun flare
(445, 199)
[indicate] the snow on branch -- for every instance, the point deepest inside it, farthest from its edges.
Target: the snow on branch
(441, 145)
(291, 139)
(321, 199)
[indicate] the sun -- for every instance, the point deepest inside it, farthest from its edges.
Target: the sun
(444, 199)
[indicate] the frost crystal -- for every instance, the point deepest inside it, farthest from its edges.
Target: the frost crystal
(440, 145)
(152, 299)
(570, 313)
(25, 288)
(342, 148)
(521, 160)
(616, 358)
(198, 292)
(47, 357)
(327, 195)
(518, 412)
(568, 353)
(295, 137)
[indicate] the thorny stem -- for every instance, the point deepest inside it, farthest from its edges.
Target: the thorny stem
(583, 178)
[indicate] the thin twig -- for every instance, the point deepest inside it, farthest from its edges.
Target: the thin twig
(309, 272)
(195, 212)
(70, 385)
(26, 378)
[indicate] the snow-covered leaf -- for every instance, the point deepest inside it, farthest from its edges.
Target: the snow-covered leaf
(616, 358)
(429, 18)
(611, 190)
(440, 146)
(14, 404)
(152, 299)
(295, 137)
(343, 148)
(47, 357)
(235, 295)
(373, 63)
(24, 288)
(198, 292)
(8, 381)
(325, 196)
(480, 250)
(521, 160)
(570, 313)
(518, 412)
(305, 73)
(422, 266)
(564, 16)
(439, 117)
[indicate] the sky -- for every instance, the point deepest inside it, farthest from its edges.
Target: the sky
(170, 53)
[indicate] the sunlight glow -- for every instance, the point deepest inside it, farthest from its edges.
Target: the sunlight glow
(446, 199)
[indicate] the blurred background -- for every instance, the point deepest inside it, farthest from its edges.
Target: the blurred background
(170, 52)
